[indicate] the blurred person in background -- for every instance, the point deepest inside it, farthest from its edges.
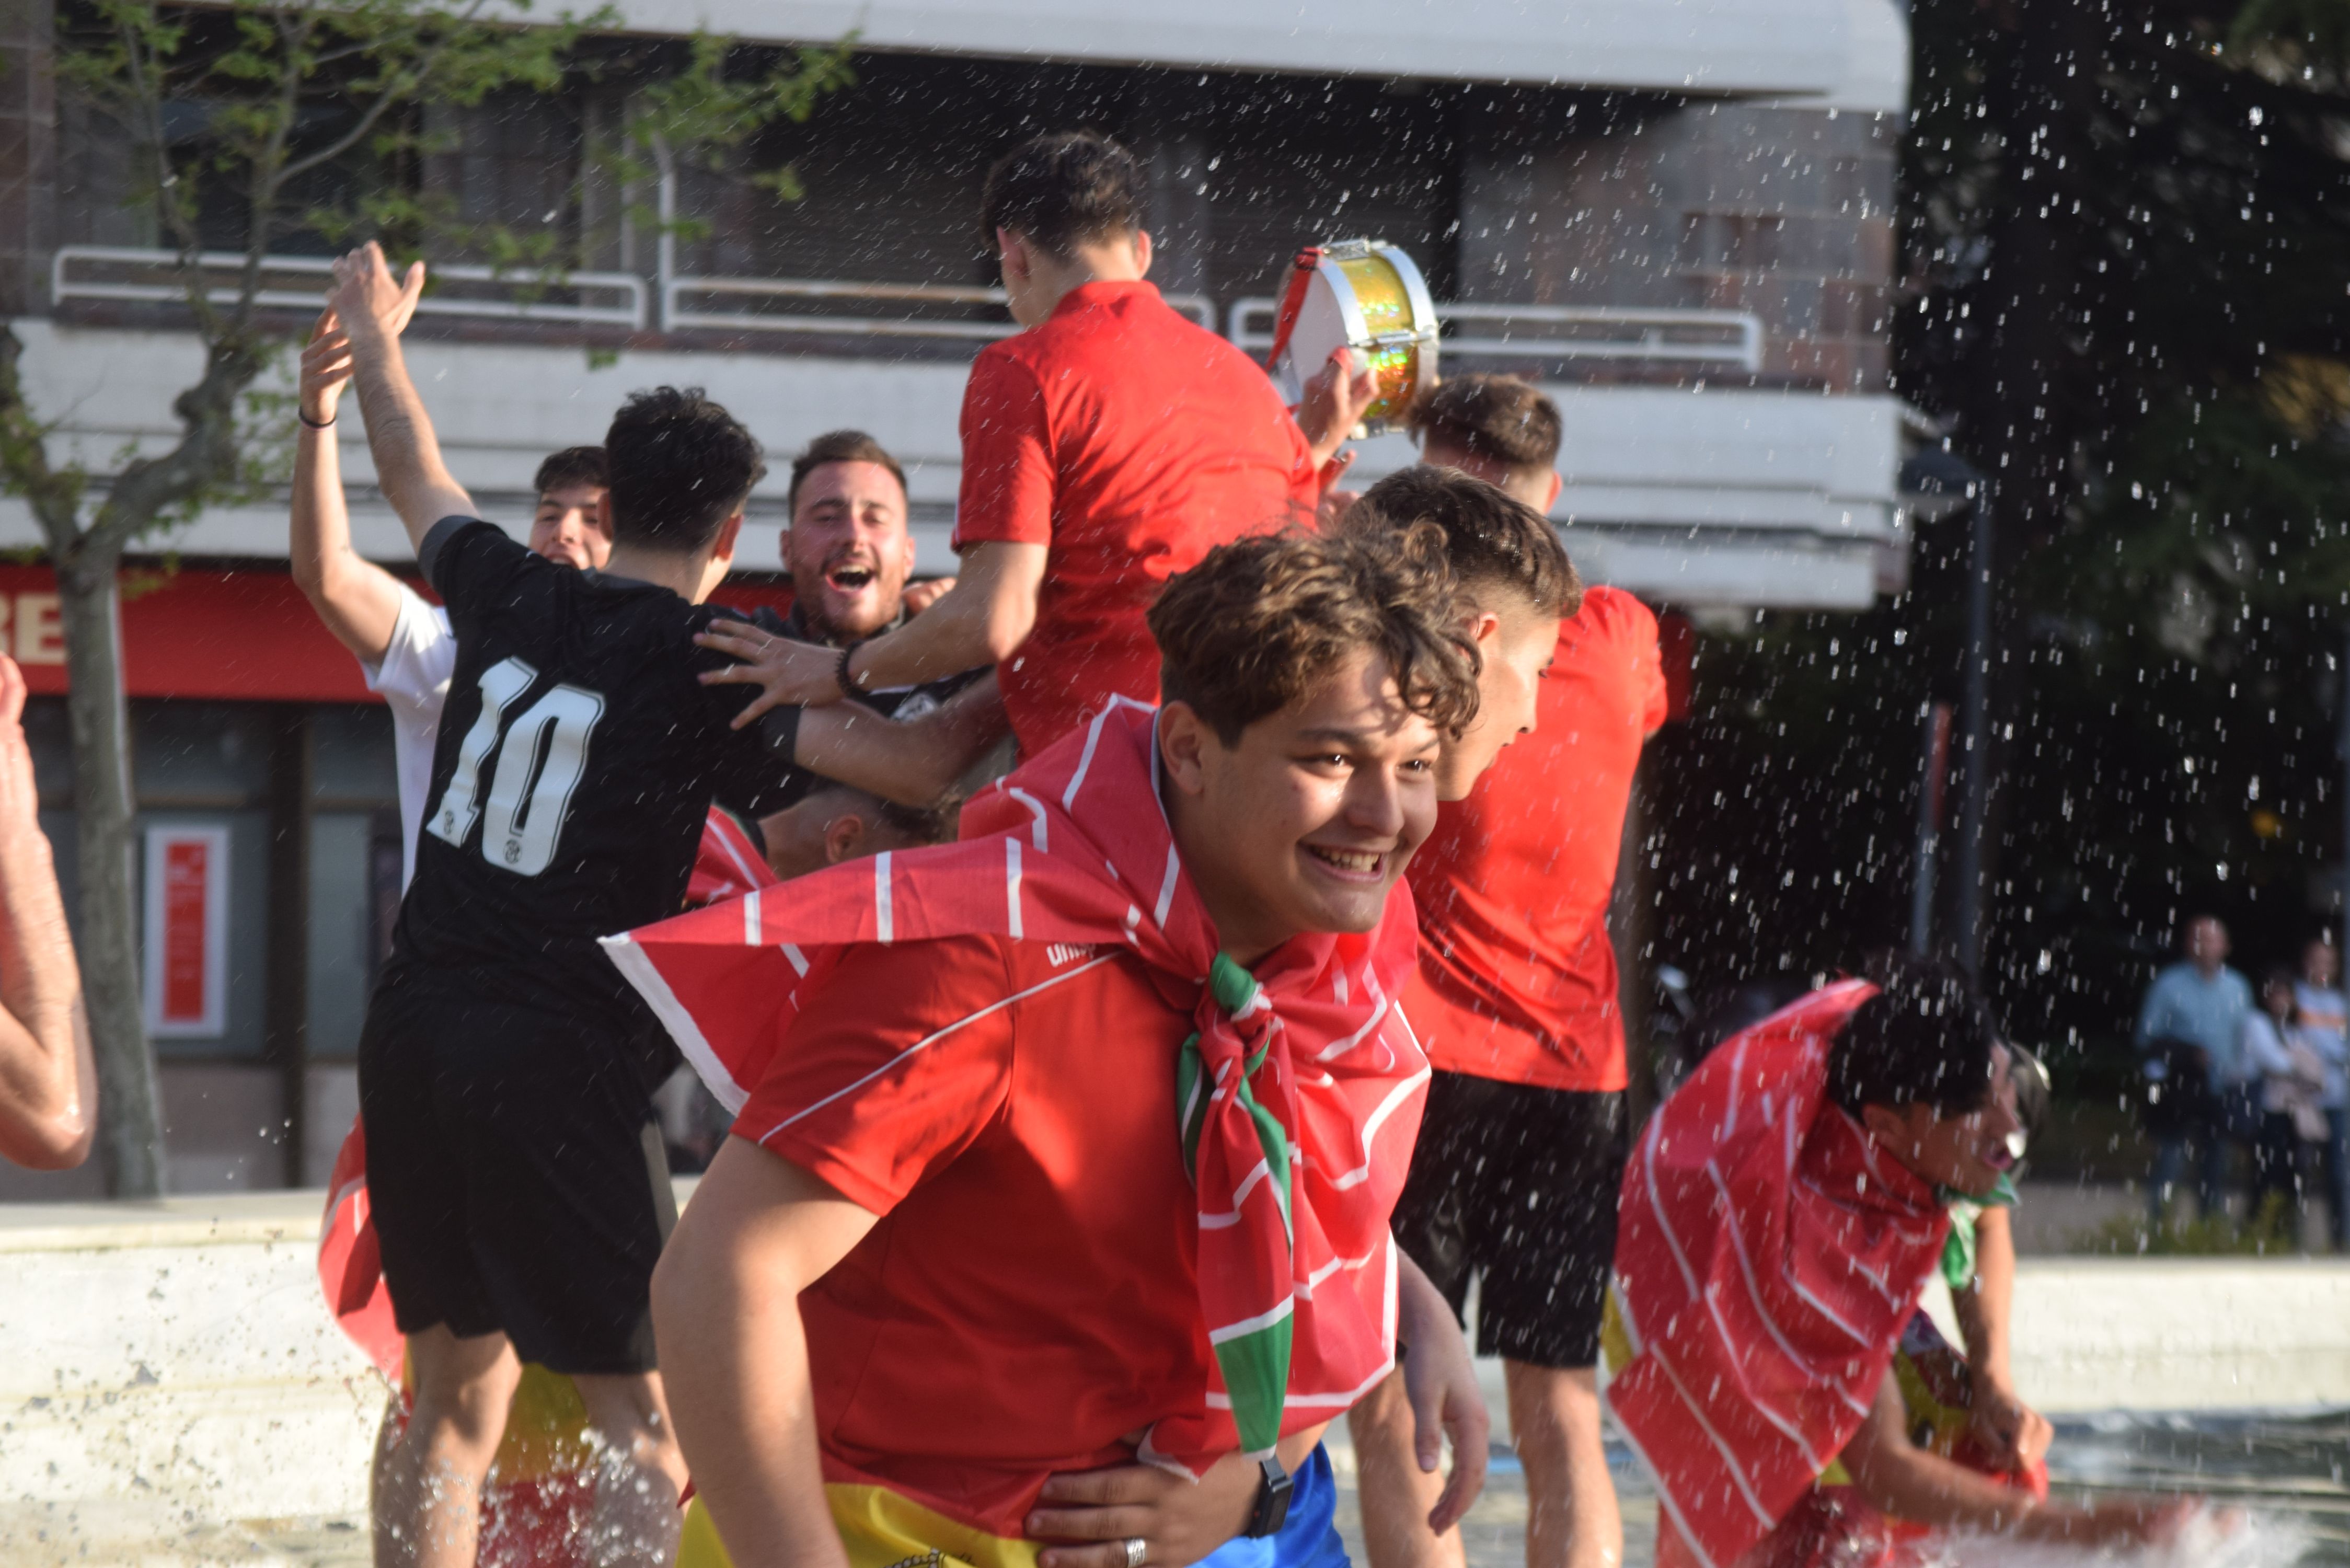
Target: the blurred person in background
(2189, 1031)
(48, 1079)
(2291, 1077)
(2323, 1017)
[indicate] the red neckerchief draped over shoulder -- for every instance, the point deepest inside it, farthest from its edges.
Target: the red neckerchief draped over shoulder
(1296, 1270)
(1767, 1258)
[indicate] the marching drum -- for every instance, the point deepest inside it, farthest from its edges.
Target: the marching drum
(1363, 295)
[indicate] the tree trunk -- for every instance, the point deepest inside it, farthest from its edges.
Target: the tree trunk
(130, 1127)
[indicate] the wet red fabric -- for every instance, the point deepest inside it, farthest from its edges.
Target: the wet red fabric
(1073, 848)
(1767, 1258)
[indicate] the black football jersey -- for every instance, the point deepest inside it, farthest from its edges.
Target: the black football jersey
(577, 757)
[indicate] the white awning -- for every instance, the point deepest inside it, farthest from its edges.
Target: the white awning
(1848, 54)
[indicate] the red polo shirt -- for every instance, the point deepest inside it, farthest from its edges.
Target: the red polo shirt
(1517, 976)
(1129, 440)
(1028, 1297)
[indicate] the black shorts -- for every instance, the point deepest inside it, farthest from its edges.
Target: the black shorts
(517, 1176)
(1518, 1186)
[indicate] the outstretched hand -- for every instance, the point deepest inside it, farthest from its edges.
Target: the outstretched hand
(371, 305)
(791, 674)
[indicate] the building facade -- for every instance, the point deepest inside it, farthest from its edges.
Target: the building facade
(1677, 216)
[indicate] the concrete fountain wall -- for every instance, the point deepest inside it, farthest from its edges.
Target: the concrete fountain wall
(171, 1366)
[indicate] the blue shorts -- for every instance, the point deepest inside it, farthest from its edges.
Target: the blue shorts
(1308, 1538)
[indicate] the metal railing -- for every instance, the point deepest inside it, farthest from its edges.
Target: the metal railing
(296, 283)
(925, 310)
(678, 312)
(1563, 332)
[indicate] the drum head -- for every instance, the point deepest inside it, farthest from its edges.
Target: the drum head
(1367, 297)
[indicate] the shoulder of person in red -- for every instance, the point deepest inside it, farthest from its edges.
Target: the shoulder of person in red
(1517, 975)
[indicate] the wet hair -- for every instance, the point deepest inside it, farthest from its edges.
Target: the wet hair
(1498, 417)
(572, 465)
(1926, 1038)
(923, 824)
(1490, 538)
(839, 446)
(679, 465)
(1260, 622)
(1063, 190)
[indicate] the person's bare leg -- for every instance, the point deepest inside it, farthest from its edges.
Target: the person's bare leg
(1572, 1521)
(640, 1472)
(1397, 1494)
(427, 1480)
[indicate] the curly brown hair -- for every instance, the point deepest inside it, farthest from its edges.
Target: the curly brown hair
(1489, 538)
(1260, 623)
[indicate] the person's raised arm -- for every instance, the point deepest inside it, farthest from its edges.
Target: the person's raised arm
(981, 620)
(2017, 1435)
(734, 1353)
(48, 1079)
(358, 600)
(369, 302)
(916, 761)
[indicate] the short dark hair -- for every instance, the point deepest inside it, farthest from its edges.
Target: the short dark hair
(839, 446)
(572, 465)
(1062, 191)
(933, 823)
(1501, 418)
(1260, 622)
(1927, 1037)
(1490, 537)
(680, 466)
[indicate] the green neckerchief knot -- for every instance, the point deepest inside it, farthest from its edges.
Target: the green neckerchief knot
(1255, 1363)
(1958, 1247)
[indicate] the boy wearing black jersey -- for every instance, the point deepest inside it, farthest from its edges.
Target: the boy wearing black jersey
(505, 1071)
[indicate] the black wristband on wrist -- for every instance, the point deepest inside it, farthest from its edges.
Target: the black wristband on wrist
(840, 676)
(327, 423)
(1270, 1509)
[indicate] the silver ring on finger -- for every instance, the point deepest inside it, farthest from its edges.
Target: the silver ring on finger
(1135, 1547)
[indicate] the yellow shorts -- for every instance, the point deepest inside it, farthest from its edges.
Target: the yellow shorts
(880, 1529)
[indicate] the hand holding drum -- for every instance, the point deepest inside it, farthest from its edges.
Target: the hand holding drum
(1364, 295)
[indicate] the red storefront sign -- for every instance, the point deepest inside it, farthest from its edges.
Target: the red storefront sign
(187, 931)
(206, 633)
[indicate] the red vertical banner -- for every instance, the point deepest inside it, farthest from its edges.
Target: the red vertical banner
(187, 932)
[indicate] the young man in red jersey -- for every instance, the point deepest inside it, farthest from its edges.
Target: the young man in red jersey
(1515, 1001)
(1073, 1144)
(1106, 448)
(1766, 1359)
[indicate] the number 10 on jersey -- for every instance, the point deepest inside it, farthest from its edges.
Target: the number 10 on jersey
(541, 756)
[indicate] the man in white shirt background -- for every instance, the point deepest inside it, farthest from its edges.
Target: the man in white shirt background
(402, 642)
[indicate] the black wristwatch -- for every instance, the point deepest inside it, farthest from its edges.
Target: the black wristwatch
(1272, 1508)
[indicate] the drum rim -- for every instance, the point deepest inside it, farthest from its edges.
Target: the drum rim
(1342, 289)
